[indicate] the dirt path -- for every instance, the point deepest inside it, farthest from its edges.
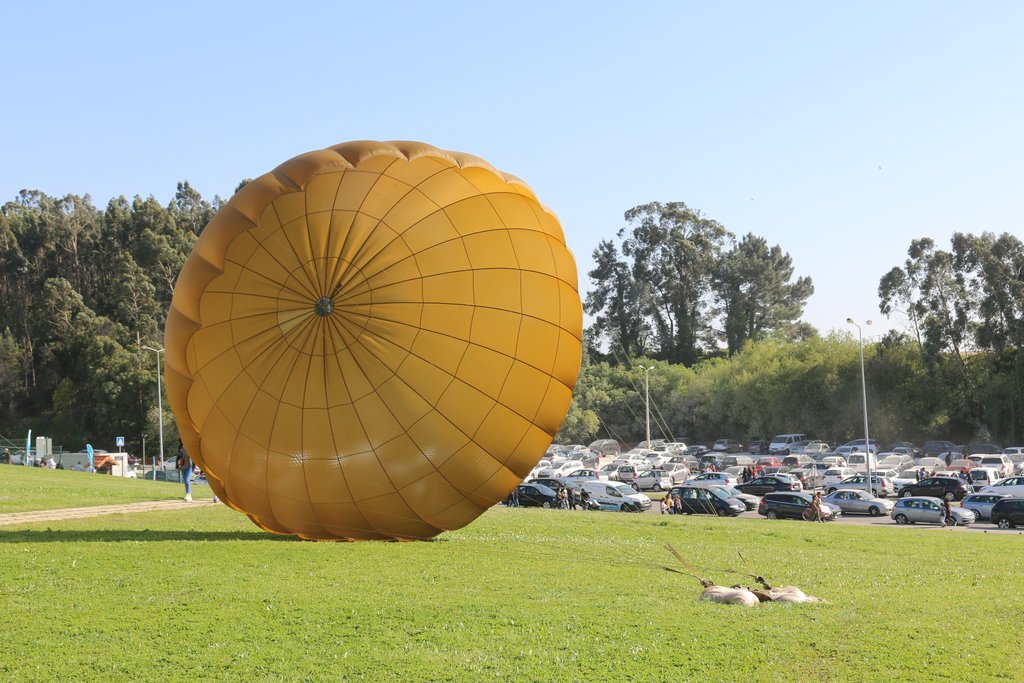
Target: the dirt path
(96, 511)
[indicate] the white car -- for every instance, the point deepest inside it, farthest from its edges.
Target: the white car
(909, 477)
(1000, 462)
(556, 471)
(980, 477)
(612, 495)
(894, 461)
(587, 474)
(1013, 486)
(880, 486)
(835, 475)
(637, 456)
(1016, 456)
(713, 478)
(931, 463)
(652, 480)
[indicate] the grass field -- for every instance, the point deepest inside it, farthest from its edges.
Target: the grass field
(519, 595)
(33, 488)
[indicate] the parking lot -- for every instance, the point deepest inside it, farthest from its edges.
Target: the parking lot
(865, 520)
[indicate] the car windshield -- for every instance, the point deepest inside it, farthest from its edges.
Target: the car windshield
(624, 489)
(719, 493)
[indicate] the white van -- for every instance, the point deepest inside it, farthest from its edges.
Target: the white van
(781, 444)
(613, 495)
(859, 460)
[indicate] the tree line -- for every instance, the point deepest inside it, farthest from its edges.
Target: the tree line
(84, 290)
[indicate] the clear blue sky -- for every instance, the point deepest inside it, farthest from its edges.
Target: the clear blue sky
(839, 131)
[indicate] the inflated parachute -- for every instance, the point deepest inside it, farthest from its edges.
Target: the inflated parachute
(375, 340)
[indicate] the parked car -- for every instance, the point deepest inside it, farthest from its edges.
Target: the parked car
(627, 473)
(727, 446)
(605, 447)
(767, 484)
(949, 488)
(792, 504)
(858, 460)
(913, 509)
(1000, 462)
(782, 443)
(909, 476)
(1016, 456)
(835, 475)
(738, 461)
(984, 448)
(932, 464)
(766, 461)
(1008, 513)
(896, 461)
(1013, 486)
(981, 503)
(980, 477)
(586, 474)
(637, 456)
(651, 480)
(713, 478)
(678, 472)
(705, 500)
(612, 495)
(880, 486)
(609, 472)
(797, 460)
(750, 501)
(858, 445)
(854, 501)
(934, 448)
(650, 444)
(813, 448)
(555, 471)
(555, 484)
(833, 461)
(536, 495)
(757, 446)
(810, 477)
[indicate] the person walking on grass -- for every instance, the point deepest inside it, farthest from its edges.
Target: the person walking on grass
(184, 465)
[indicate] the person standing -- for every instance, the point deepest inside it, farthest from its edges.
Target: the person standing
(184, 464)
(947, 513)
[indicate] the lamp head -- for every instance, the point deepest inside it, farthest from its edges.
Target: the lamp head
(849, 320)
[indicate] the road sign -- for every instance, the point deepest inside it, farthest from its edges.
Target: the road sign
(120, 442)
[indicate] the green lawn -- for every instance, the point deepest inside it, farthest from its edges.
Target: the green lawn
(33, 488)
(520, 595)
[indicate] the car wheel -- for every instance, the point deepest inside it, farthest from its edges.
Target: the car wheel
(831, 490)
(874, 511)
(901, 519)
(625, 507)
(657, 488)
(636, 487)
(1003, 523)
(949, 495)
(905, 493)
(546, 504)
(950, 521)
(772, 514)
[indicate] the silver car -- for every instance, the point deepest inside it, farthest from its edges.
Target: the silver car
(853, 501)
(929, 510)
(981, 503)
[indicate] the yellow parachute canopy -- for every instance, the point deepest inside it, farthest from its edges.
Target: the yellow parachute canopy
(376, 340)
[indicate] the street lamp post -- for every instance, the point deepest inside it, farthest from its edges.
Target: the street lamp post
(864, 394)
(159, 406)
(647, 401)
